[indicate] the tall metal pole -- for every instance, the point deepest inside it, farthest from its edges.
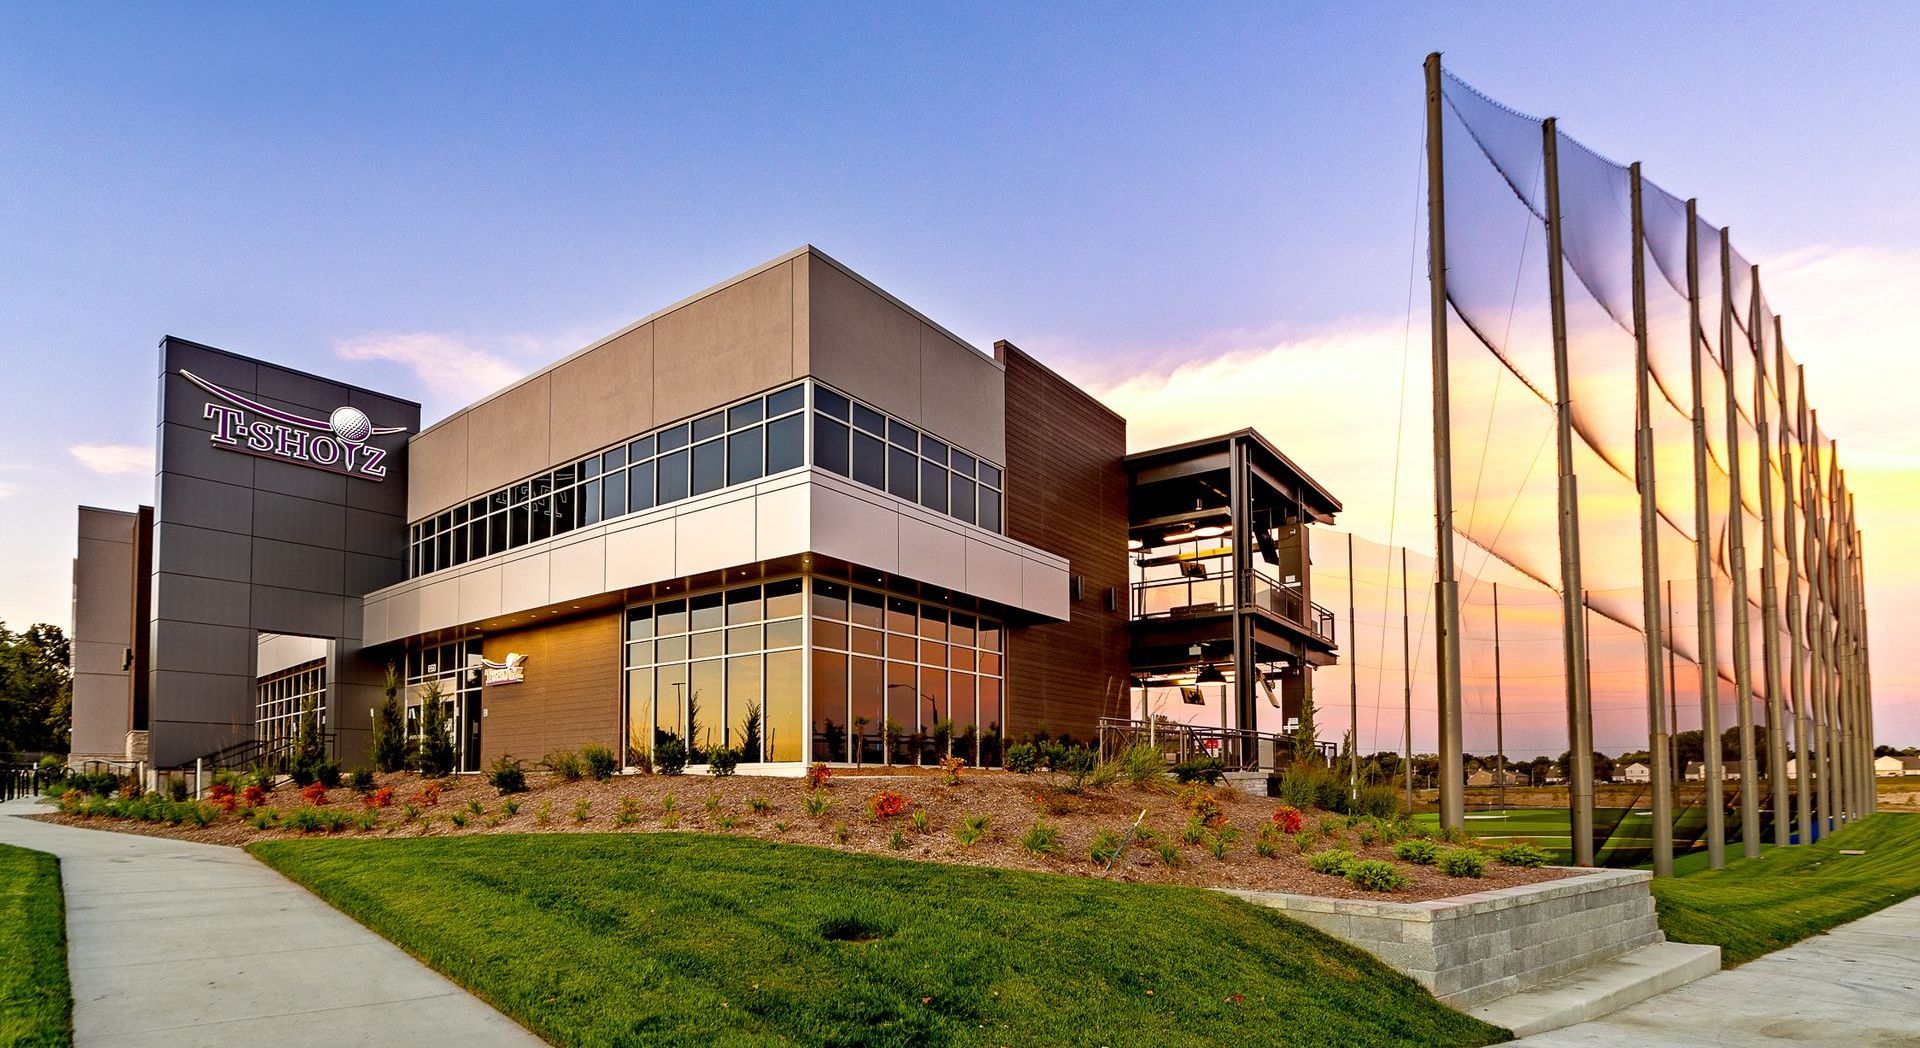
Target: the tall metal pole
(1499, 704)
(1737, 567)
(1842, 729)
(1406, 679)
(1453, 776)
(1817, 626)
(1657, 729)
(1849, 748)
(1858, 562)
(1769, 582)
(1353, 688)
(1862, 741)
(1572, 591)
(1714, 799)
(1796, 628)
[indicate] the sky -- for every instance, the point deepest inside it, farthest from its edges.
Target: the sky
(1211, 218)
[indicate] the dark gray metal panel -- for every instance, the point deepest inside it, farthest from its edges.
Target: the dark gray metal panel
(285, 478)
(301, 612)
(214, 602)
(307, 521)
(203, 552)
(187, 451)
(309, 395)
(365, 574)
(198, 647)
(290, 565)
(368, 532)
(181, 499)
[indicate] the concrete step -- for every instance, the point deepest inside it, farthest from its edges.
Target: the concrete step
(1602, 988)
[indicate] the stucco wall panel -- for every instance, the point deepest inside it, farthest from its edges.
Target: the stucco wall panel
(508, 436)
(862, 343)
(480, 594)
(726, 345)
(714, 537)
(523, 582)
(577, 569)
(604, 395)
(932, 554)
(437, 468)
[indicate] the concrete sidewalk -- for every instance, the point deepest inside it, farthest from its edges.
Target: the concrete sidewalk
(1858, 985)
(175, 944)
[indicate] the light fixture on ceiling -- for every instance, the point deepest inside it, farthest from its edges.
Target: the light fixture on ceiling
(1209, 674)
(1134, 544)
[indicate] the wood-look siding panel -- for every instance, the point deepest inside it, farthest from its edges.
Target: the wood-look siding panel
(1066, 494)
(571, 697)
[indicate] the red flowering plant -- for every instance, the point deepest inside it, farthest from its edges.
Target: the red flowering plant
(380, 798)
(818, 775)
(314, 793)
(221, 796)
(1288, 819)
(253, 795)
(428, 795)
(952, 766)
(888, 803)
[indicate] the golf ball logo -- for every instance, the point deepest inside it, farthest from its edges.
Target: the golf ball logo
(351, 425)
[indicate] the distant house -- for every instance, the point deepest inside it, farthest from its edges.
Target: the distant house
(1793, 768)
(1910, 765)
(1636, 772)
(1729, 772)
(1889, 767)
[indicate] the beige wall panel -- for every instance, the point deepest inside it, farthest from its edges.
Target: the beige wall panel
(523, 582)
(374, 625)
(862, 343)
(715, 537)
(279, 651)
(1043, 589)
(850, 527)
(99, 714)
(440, 604)
(577, 569)
(603, 396)
(507, 437)
(480, 593)
(100, 656)
(639, 555)
(437, 468)
(106, 525)
(731, 343)
(993, 573)
(103, 590)
(964, 395)
(403, 613)
(931, 553)
(802, 268)
(781, 521)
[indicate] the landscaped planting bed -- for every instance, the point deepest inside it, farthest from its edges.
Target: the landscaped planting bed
(1155, 833)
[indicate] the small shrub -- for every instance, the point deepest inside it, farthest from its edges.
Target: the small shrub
(950, 768)
(1369, 831)
(222, 796)
(888, 803)
(263, 818)
(1208, 770)
(840, 832)
(1304, 841)
(670, 755)
(818, 774)
(301, 774)
(1300, 783)
(367, 820)
(1288, 819)
(429, 794)
(669, 802)
(253, 795)
(544, 813)
(1264, 846)
(759, 805)
(413, 812)
(1376, 875)
(1222, 840)
(1523, 855)
(1380, 802)
(818, 805)
(1331, 827)
(726, 821)
(1418, 852)
(712, 802)
(1168, 852)
(1333, 861)
(507, 775)
(582, 810)
(629, 812)
(1041, 838)
(897, 841)
(1106, 848)
(459, 819)
(476, 808)
(1022, 757)
(566, 764)
(314, 793)
(1203, 805)
(921, 821)
(1461, 862)
(722, 762)
(1195, 832)
(600, 762)
(327, 773)
(306, 820)
(361, 780)
(511, 806)
(380, 798)
(670, 820)
(177, 789)
(971, 830)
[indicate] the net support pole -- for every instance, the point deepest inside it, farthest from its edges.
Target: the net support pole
(1737, 567)
(1864, 744)
(1714, 798)
(1829, 567)
(1859, 752)
(1353, 688)
(1658, 734)
(1860, 621)
(1769, 580)
(1406, 680)
(1446, 586)
(1817, 629)
(1572, 590)
(1499, 705)
(1796, 628)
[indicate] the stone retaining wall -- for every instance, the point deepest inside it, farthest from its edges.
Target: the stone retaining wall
(1472, 949)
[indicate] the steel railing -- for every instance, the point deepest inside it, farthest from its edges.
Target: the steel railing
(1238, 750)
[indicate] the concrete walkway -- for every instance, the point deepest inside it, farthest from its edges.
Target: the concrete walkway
(177, 944)
(1858, 985)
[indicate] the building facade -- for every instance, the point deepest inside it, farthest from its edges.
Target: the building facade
(788, 516)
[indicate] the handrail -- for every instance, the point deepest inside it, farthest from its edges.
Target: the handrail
(1239, 750)
(1176, 597)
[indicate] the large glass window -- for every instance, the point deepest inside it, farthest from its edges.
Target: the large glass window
(282, 698)
(935, 690)
(737, 445)
(451, 665)
(854, 440)
(718, 669)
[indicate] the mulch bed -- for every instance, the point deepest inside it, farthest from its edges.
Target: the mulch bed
(1012, 803)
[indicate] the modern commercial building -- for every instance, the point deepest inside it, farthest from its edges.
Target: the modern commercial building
(790, 515)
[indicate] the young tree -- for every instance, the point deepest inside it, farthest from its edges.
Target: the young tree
(309, 749)
(434, 756)
(389, 730)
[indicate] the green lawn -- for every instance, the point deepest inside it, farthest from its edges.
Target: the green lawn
(36, 1003)
(603, 939)
(1754, 906)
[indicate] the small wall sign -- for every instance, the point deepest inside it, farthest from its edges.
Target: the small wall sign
(512, 671)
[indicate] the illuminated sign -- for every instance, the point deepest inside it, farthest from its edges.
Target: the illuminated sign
(512, 671)
(337, 444)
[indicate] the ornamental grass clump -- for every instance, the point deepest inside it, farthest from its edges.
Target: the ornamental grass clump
(1376, 875)
(972, 829)
(1106, 847)
(1333, 861)
(1042, 838)
(817, 804)
(1144, 766)
(1461, 862)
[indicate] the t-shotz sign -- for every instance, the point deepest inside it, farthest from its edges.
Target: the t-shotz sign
(512, 671)
(337, 443)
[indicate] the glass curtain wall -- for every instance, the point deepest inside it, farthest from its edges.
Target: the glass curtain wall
(718, 669)
(459, 695)
(281, 697)
(901, 681)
